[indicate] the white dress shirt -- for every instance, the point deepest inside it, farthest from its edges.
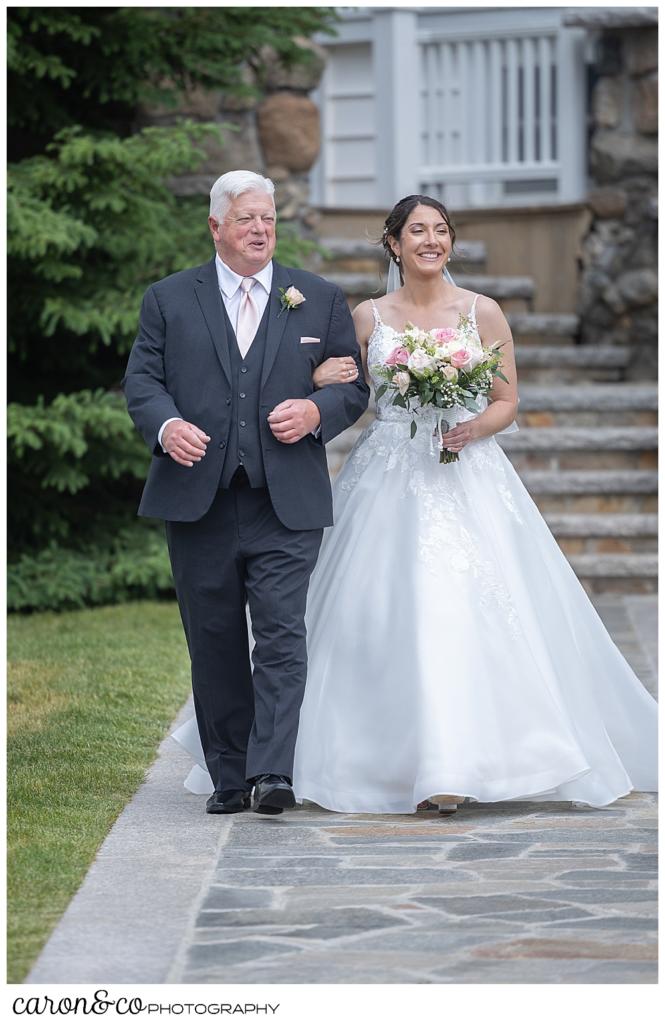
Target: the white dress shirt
(229, 286)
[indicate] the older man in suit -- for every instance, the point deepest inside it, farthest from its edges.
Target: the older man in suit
(219, 383)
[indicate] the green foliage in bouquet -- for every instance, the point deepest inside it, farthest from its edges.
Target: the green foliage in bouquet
(91, 223)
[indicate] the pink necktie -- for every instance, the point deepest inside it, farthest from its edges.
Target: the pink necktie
(248, 317)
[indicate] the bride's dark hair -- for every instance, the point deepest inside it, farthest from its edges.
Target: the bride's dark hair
(401, 212)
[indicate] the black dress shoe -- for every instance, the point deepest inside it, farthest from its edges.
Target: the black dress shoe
(272, 793)
(228, 801)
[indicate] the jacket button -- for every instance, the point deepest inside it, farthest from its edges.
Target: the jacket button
(222, 444)
(242, 423)
(242, 395)
(241, 453)
(228, 401)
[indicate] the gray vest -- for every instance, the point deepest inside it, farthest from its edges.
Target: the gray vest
(244, 443)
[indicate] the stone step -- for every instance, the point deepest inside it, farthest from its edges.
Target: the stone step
(577, 448)
(592, 491)
(605, 534)
(588, 405)
(558, 324)
(562, 439)
(635, 573)
(602, 526)
(556, 364)
(598, 397)
(510, 290)
(591, 482)
(536, 328)
(359, 255)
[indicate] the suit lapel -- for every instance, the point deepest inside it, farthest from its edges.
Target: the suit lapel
(277, 318)
(210, 300)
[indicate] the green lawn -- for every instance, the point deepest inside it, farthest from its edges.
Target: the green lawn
(91, 695)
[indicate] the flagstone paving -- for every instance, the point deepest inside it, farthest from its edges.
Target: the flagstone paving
(517, 893)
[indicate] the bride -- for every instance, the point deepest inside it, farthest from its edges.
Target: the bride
(452, 651)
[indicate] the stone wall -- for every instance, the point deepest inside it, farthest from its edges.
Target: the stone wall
(618, 257)
(275, 131)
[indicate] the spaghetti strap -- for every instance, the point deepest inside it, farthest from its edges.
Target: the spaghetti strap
(472, 311)
(377, 318)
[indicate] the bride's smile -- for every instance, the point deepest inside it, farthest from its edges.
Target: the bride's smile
(425, 242)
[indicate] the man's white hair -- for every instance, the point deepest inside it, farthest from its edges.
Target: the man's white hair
(231, 185)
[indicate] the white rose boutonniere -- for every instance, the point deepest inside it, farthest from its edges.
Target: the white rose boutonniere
(291, 298)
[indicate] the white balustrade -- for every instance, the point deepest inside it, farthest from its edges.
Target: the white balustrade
(479, 108)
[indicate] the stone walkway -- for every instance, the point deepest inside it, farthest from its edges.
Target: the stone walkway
(515, 892)
(499, 894)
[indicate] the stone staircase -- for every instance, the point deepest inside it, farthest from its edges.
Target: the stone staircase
(587, 451)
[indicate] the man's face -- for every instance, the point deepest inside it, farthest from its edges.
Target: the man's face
(245, 239)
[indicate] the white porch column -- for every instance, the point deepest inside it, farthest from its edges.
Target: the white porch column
(397, 75)
(571, 89)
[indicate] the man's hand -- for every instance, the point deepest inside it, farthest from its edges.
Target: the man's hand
(294, 419)
(184, 442)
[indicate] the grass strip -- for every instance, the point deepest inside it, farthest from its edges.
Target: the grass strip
(90, 696)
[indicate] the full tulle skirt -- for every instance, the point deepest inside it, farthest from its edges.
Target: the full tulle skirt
(452, 648)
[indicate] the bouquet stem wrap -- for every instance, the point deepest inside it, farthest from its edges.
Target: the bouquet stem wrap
(442, 427)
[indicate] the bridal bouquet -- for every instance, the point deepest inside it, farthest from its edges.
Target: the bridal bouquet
(441, 368)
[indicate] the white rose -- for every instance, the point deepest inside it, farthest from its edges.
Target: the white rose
(293, 297)
(449, 372)
(420, 362)
(402, 380)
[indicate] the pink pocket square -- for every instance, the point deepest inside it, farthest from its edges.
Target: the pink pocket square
(310, 341)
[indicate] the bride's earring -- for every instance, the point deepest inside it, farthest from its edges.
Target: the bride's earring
(397, 260)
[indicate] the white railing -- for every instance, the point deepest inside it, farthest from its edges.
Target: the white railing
(491, 124)
(480, 108)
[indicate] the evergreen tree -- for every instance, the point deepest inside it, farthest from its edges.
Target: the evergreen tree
(91, 223)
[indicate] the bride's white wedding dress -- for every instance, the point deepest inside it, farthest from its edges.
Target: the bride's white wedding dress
(451, 647)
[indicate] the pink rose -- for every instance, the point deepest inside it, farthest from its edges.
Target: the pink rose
(444, 334)
(461, 358)
(398, 355)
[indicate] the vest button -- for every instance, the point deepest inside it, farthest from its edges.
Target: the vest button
(241, 453)
(243, 369)
(222, 444)
(228, 401)
(242, 423)
(242, 395)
